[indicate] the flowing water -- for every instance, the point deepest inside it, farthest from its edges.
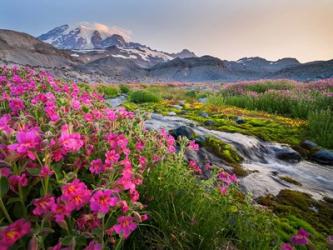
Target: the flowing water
(260, 158)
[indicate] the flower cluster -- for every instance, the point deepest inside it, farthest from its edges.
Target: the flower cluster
(70, 162)
(301, 238)
(226, 180)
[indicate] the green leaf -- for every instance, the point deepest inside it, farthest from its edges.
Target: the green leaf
(67, 240)
(33, 171)
(4, 187)
(13, 200)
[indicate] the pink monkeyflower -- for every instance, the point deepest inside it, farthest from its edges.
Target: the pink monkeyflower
(171, 149)
(27, 143)
(4, 124)
(193, 146)
(286, 246)
(43, 205)
(5, 172)
(89, 149)
(139, 146)
(46, 171)
(58, 246)
(301, 238)
(126, 163)
(134, 195)
(111, 157)
(51, 112)
(156, 158)
(93, 245)
(194, 166)
(88, 117)
(57, 155)
(71, 142)
(88, 222)
(96, 166)
(142, 161)
(18, 180)
(208, 166)
(144, 217)
(126, 180)
(227, 178)
(60, 210)
(123, 205)
(163, 133)
(110, 114)
(76, 194)
(16, 105)
(123, 113)
(76, 105)
(102, 200)
(117, 141)
(13, 232)
(223, 190)
(125, 226)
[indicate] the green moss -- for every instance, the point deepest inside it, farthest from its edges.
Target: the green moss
(227, 153)
(130, 106)
(290, 180)
(318, 214)
(266, 129)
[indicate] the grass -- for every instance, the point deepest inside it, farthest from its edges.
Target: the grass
(320, 127)
(309, 102)
(108, 91)
(190, 214)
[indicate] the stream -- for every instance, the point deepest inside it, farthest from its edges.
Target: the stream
(259, 158)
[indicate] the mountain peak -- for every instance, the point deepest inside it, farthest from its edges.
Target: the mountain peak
(85, 35)
(104, 30)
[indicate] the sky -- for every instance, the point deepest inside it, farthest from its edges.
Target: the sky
(228, 29)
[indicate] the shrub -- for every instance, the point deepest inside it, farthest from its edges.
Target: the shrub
(191, 93)
(142, 96)
(124, 89)
(108, 91)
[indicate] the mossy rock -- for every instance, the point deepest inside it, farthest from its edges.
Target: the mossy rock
(290, 180)
(319, 214)
(226, 153)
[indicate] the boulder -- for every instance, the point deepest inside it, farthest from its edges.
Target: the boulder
(209, 123)
(181, 103)
(200, 140)
(203, 100)
(240, 120)
(172, 114)
(323, 156)
(288, 155)
(309, 145)
(204, 114)
(183, 131)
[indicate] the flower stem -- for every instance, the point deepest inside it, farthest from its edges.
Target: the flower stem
(22, 201)
(4, 210)
(103, 229)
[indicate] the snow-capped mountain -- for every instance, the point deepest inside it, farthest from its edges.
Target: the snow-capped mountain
(93, 41)
(85, 35)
